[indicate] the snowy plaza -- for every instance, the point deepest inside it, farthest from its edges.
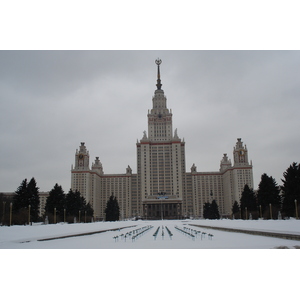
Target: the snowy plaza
(135, 255)
(143, 234)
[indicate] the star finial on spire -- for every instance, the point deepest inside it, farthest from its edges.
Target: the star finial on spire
(158, 62)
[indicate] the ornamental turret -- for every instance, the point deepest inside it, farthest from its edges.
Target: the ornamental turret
(82, 158)
(97, 166)
(225, 163)
(240, 154)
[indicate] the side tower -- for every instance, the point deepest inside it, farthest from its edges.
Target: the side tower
(240, 154)
(80, 174)
(242, 172)
(160, 162)
(95, 188)
(82, 158)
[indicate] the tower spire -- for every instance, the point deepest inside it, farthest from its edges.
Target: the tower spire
(158, 62)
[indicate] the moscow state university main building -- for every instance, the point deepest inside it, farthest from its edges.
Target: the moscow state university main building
(162, 189)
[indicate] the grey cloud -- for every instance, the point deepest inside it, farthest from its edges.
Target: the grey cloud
(52, 100)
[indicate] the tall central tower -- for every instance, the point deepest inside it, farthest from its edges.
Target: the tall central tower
(160, 160)
(159, 117)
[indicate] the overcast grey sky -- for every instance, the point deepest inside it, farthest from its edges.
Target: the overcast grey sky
(53, 100)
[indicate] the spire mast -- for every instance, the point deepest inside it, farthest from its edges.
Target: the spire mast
(158, 62)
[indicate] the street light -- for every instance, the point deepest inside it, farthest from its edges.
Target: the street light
(10, 213)
(54, 215)
(271, 211)
(162, 216)
(161, 195)
(296, 208)
(260, 212)
(3, 212)
(64, 215)
(29, 206)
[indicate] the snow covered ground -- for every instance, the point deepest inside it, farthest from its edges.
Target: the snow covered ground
(165, 267)
(29, 237)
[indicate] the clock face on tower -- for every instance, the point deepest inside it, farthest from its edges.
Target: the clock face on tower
(80, 156)
(241, 152)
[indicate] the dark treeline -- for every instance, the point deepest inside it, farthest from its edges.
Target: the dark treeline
(70, 207)
(271, 201)
(24, 207)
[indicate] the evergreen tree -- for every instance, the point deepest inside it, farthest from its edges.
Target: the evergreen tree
(235, 208)
(56, 199)
(33, 200)
(214, 210)
(291, 190)
(20, 198)
(112, 210)
(74, 203)
(211, 210)
(268, 193)
(27, 194)
(71, 209)
(248, 200)
(206, 210)
(89, 210)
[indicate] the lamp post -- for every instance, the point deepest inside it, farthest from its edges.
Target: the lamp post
(161, 196)
(64, 215)
(29, 206)
(54, 215)
(79, 218)
(3, 213)
(296, 208)
(161, 209)
(246, 214)
(10, 213)
(260, 212)
(271, 217)
(85, 216)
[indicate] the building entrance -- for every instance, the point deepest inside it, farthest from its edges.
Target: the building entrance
(160, 209)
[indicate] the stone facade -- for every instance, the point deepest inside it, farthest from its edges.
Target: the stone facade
(162, 188)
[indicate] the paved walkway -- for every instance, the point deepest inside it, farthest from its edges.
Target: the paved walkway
(288, 236)
(81, 234)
